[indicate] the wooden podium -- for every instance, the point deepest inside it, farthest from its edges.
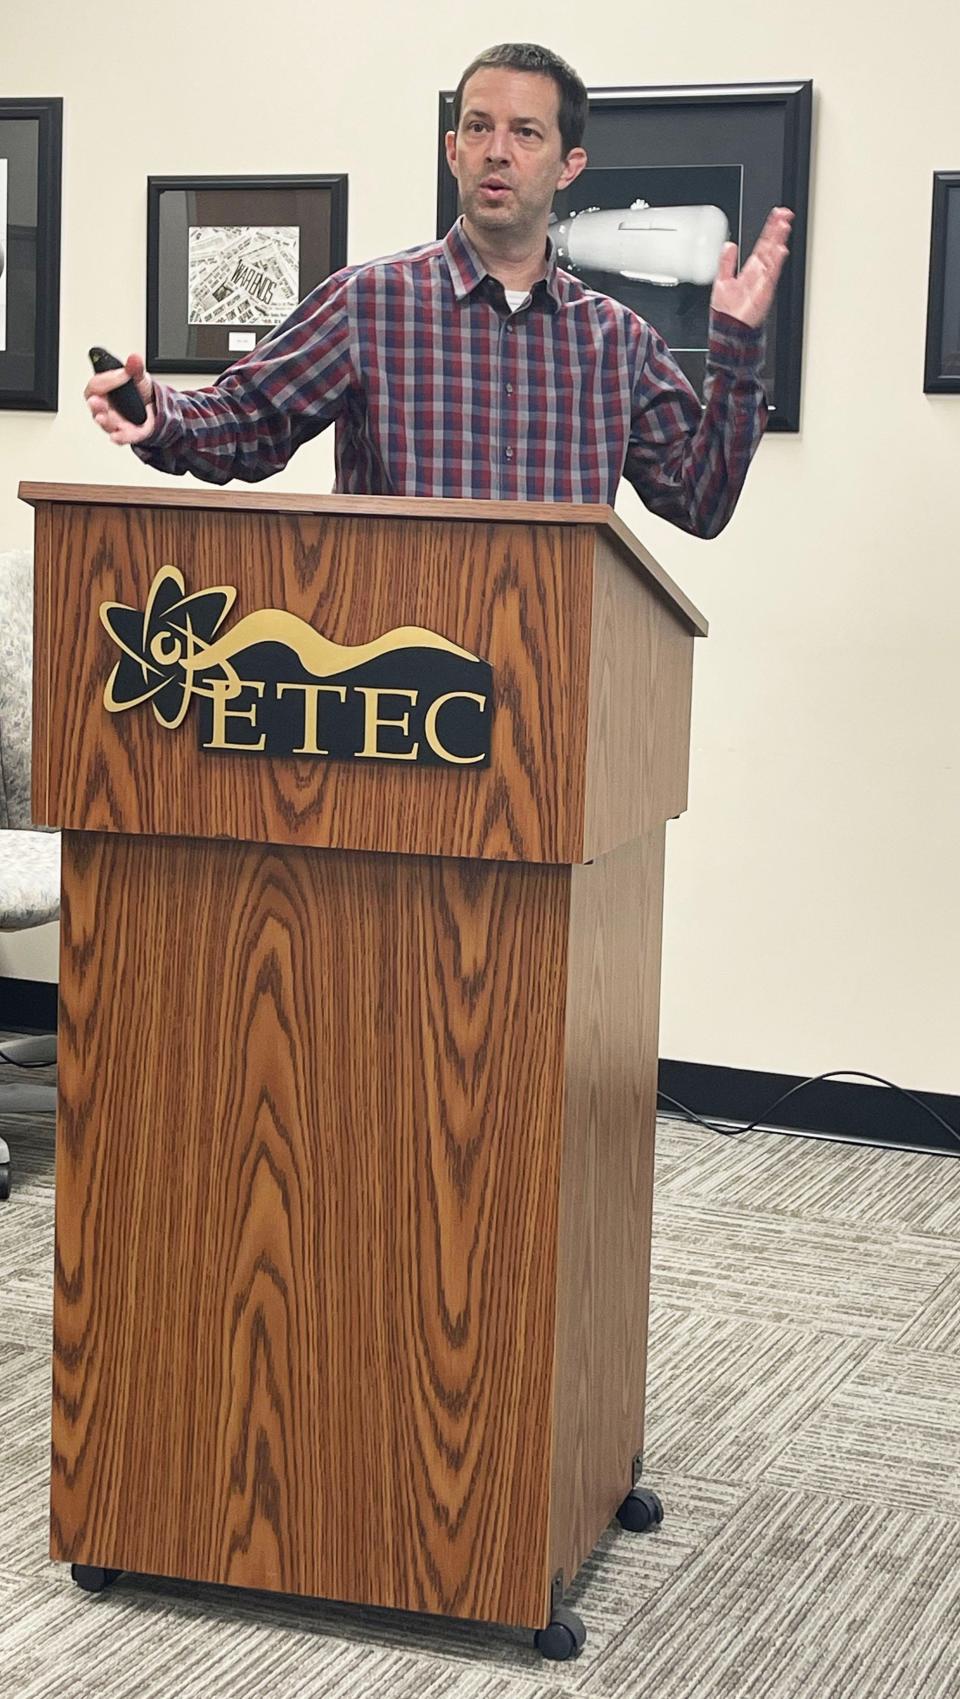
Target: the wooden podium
(357, 1057)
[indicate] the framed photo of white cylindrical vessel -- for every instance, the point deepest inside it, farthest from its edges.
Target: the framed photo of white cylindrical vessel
(673, 174)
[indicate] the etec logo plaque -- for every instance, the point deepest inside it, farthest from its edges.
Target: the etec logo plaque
(274, 685)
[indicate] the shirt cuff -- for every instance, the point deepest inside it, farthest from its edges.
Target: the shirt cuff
(735, 347)
(168, 418)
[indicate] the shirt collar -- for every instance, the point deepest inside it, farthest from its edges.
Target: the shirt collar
(467, 270)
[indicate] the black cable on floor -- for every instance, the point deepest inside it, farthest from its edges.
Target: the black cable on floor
(839, 1073)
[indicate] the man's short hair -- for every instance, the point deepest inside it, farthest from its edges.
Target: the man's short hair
(526, 56)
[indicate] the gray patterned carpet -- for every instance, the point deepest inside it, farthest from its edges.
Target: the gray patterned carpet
(803, 1433)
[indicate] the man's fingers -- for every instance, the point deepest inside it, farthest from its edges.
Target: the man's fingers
(102, 414)
(773, 260)
(115, 426)
(776, 229)
(728, 262)
(767, 259)
(136, 369)
(101, 383)
(113, 423)
(748, 295)
(779, 218)
(106, 416)
(769, 241)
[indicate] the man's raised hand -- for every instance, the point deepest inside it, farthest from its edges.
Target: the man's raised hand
(747, 295)
(97, 395)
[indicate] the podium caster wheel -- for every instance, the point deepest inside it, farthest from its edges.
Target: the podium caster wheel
(639, 1511)
(563, 1636)
(92, 1579)
(4, 1181)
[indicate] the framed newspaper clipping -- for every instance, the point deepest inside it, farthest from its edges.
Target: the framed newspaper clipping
(228, 259)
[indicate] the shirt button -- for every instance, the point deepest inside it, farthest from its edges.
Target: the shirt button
(509, 388)
(509, 453)
(509, 329)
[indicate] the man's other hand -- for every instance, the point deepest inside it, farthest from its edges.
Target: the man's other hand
(747, 295)
(97, 396)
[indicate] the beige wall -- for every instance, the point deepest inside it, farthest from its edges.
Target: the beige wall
(813, 916)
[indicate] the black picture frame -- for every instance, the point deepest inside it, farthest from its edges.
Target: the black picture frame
(761, 130)
(221, 243)
(31, 150)
(941, 371)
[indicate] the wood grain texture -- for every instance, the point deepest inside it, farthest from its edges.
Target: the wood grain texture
(307, 1174)
(45, 689)
(264, 500)
(603, 1252)
(517, 595)
(641, 682)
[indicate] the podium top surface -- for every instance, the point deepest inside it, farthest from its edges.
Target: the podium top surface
(597, 516)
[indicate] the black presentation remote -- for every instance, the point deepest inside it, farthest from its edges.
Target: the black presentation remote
(126, 399)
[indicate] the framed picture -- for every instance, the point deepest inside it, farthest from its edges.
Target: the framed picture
(673, 173)
(31, 136)
(941, 374)
(228, 258)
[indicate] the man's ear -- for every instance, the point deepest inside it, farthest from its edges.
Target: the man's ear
(450, 145)
(572, 166)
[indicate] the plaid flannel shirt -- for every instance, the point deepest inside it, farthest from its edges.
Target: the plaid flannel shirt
(437, 389)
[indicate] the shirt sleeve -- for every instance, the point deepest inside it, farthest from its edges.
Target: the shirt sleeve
(257, 414)
(688, 463)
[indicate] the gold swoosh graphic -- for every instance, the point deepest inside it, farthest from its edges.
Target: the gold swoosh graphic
(319, 655)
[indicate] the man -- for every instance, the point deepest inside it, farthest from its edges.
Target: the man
(475, 367)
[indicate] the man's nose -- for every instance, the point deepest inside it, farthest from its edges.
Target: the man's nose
(498, 145)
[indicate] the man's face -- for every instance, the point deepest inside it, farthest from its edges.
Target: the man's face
(507, 155)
